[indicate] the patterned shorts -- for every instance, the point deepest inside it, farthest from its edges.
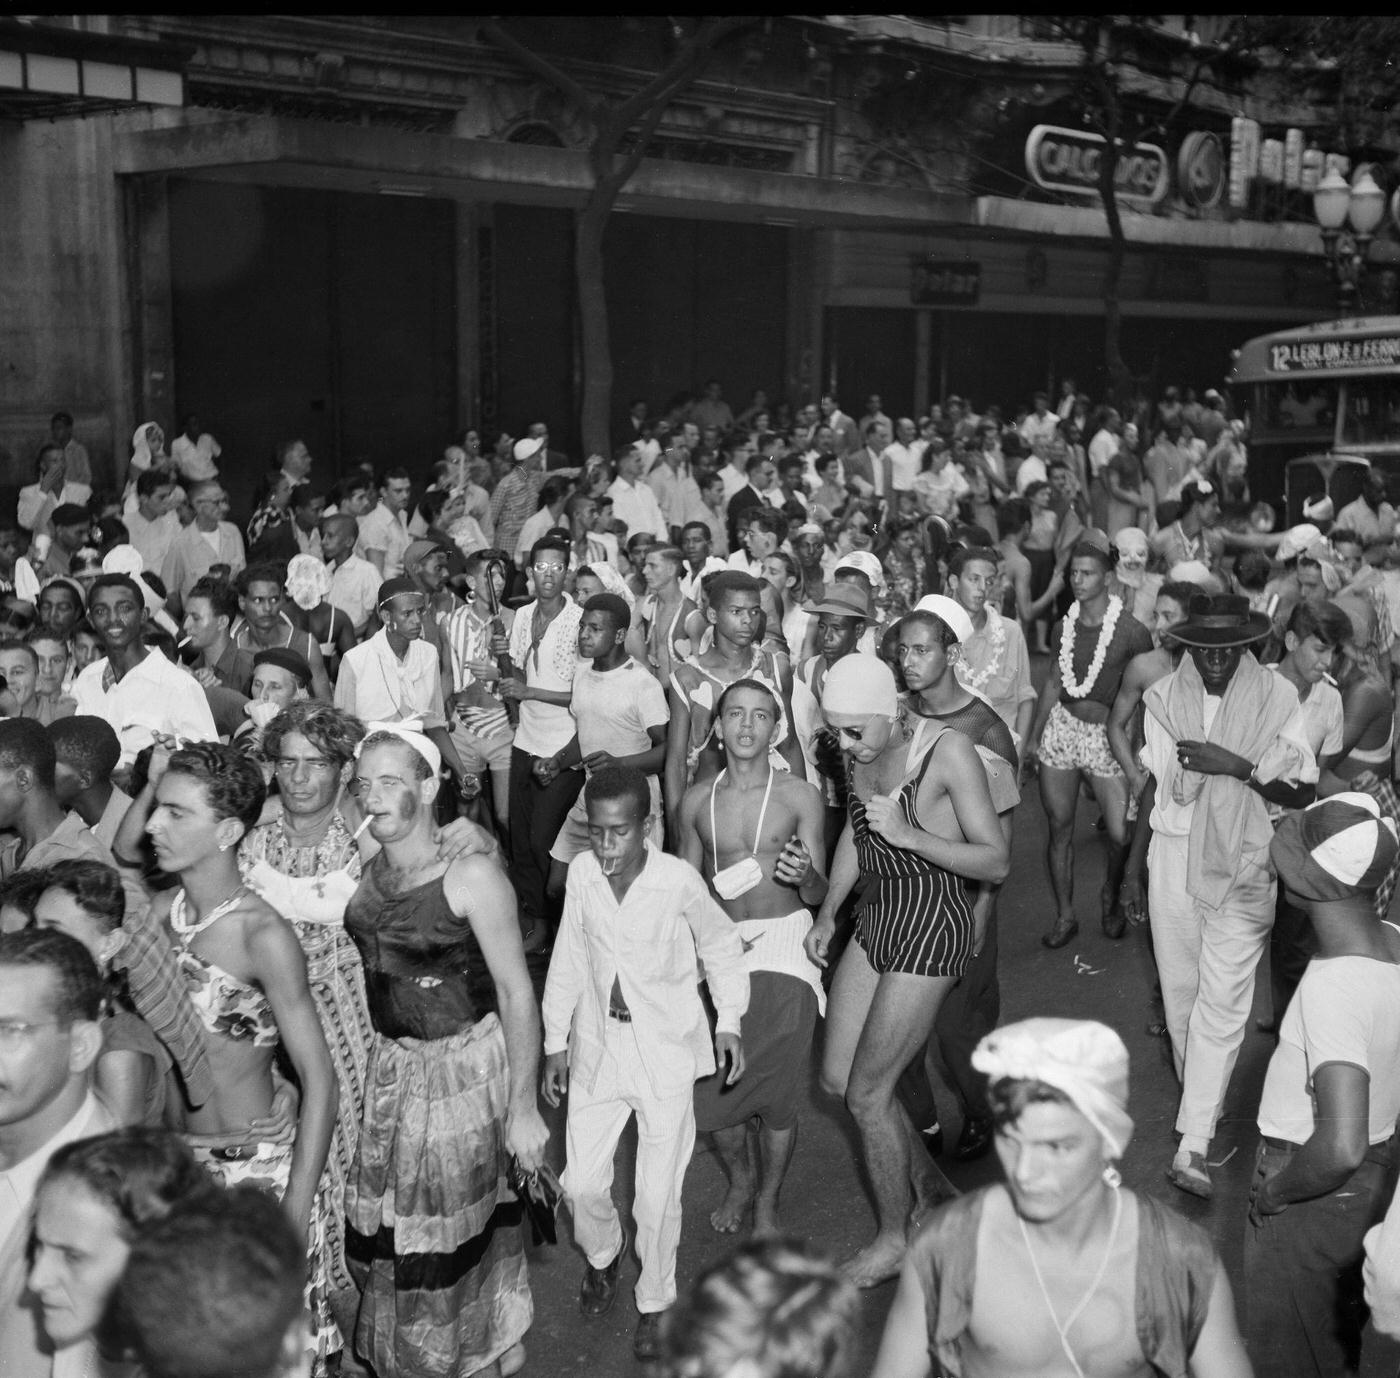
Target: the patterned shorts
(1069, 744)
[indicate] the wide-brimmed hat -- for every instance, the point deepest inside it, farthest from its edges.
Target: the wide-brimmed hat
(842, 600)
(1220, 619)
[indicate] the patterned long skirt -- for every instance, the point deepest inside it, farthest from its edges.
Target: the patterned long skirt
(265, 1161)
(433, 1233)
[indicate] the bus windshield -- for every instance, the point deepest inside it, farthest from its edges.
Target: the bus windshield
(1302, 404)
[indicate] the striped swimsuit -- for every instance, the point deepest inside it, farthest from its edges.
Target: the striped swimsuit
(914, 917)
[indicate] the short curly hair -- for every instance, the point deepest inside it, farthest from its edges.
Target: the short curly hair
(332, 731)
(232, 783)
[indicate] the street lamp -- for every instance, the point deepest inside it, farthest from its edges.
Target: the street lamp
(1335, 203)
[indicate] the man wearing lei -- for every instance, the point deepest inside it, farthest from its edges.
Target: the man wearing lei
(993, 661)
(1091, 649)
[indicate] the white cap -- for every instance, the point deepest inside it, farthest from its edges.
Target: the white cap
(948, 611)
(527, 449)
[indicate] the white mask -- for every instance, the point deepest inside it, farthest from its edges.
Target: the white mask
(740, 878)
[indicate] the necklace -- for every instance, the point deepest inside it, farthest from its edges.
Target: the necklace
(1191, 545)
(180, 904)
(1078, 689)
(996, 649)
(1063, 1330)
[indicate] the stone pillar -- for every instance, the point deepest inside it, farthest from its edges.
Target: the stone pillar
(150, 295)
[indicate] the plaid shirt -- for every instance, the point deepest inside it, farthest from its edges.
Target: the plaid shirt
(515, 501)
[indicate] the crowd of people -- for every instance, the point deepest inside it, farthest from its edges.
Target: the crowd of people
(721, 738)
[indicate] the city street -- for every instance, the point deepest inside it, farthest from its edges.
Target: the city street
(825, 1202)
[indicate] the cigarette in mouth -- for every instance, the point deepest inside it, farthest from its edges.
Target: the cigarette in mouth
(368, 819)
(1329, 679)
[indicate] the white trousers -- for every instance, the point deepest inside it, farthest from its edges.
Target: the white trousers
(665, 1142)
(1206, 959)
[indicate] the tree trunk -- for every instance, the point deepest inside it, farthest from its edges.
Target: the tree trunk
(1120, 377)
(596, 411)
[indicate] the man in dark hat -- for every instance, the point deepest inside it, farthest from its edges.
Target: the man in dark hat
(1223, 739)
(1331, 1096)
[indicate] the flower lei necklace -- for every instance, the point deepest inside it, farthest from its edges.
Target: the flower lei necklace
(996, 648)
(1078, 689)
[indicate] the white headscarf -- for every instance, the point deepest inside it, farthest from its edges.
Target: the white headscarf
(409, 731)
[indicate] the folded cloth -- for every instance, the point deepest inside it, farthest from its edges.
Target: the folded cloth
(158, 990)
(776, 945)
(1081, 1058)
(1230, 821)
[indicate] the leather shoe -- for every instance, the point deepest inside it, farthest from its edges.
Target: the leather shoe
(975, 1139)
(1190, 1173)
(599, 1289)
(646, 1344)
(1115, 924)
(1061, 933)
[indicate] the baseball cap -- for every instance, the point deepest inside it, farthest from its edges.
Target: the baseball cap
(420, 548)
(866, 563)
(1335, 848)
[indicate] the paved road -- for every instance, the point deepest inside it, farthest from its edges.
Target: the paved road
(825, 1202)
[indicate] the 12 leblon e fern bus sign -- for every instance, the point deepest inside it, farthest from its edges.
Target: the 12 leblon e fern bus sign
(1323, 403)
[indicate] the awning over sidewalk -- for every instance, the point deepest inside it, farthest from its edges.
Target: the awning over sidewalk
(48, 72)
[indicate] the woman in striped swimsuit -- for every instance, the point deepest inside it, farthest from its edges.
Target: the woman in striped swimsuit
(918, 836)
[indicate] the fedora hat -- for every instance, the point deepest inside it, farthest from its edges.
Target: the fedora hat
(842, 600)
(1220, 619)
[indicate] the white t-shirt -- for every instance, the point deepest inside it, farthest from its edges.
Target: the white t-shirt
(614, 708)
(1102, 448)
(1346, 1009)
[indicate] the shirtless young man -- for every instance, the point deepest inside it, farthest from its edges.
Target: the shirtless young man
(1014, 521)
(1092, 647)
(755, 834)
(919, 836)
(1060, 1270)
(669, 626)
(248, 981)
(735, 614)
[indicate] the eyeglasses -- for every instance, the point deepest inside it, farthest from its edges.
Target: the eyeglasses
(542, 568)
(317, 765)
(15, 1032)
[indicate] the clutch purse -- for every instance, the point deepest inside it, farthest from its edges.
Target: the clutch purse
(540, 1194)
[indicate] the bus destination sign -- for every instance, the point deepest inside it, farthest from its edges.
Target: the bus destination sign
(1307, 356)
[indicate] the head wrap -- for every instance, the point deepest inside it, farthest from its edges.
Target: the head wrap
(613, 582)
(126, 559)
(1194, 572)
(948, 611)
(1320, 509)
(1335, 848)
(308, 581)
(409, 731)
(293, 662)
(862, 686)
(1297, 539)
(142, 456)
(1081, 1058)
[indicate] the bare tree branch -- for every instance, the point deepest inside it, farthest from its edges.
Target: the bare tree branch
(540, 66)
(684, 67)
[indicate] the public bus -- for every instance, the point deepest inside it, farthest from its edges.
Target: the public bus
(1323, 404)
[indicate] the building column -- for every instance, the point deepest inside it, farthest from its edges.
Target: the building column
(923, 360)
(147, 205)
(469, 316)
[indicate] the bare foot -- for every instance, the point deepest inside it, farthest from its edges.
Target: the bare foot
(728, 1216)
(766, 1224)
(878, 1262)
(513, 1360)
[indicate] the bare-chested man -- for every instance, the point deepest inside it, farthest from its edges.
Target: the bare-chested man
(735, 614)
(669, 626)
(1060, 1271)
(755, 834)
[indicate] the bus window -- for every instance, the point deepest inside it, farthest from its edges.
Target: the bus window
(1372, 412)
(1300, 405)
